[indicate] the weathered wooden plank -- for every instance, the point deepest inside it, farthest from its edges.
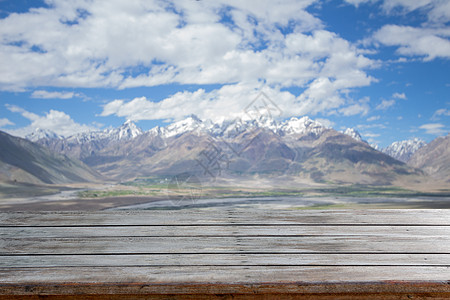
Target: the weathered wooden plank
(226, 252)
(228, 216)
(215, 230)
(262, 244)
(236, 259)
(223, 274)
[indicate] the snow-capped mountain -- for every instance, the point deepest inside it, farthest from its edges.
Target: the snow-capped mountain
(39, 134)
(403, 150)
(126, 131)
(298, 147)
(303, 125)
(353, 133)
(232, 128)
(191, 123)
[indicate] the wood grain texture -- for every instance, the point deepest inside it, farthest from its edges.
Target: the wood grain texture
(204, 254)
(414, 217)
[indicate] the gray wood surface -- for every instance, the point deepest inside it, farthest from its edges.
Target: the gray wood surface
(144, 251)
(414, 217)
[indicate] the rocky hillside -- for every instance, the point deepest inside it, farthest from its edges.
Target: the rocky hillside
(403, 150)
(434, 158)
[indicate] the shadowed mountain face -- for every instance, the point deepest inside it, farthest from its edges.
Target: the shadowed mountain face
(297, 148)
(24, 161)
(434, 158)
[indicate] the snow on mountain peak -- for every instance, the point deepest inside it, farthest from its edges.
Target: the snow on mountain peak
(39, 134)
(128, 130)
(353, 133)
(301, 126)
(403, 150)
(191, 123)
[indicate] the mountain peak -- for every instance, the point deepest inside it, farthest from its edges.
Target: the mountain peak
(39, 134)
(191, 123)
(128, 130)
(194, 117)
(403, 150)
(351, 132)
(300, 126)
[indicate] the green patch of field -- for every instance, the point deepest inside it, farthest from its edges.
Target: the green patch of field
(114, 193)
(159, 186)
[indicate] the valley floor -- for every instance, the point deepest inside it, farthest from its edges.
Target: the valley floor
(163, 196)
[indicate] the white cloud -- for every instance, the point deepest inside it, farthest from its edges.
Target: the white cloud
(437, 11)
(325, 122)
(56, 121)
(373, 118)
(230, 101)
(358, 2)
(150, 43)
(360, 108)
(385, 104)
(440, 112)
(369, 126)
(399, 96)
(42, 94)
(5, 122)
(370, 135)
(427, 42)
(434, 128)
(355, 109)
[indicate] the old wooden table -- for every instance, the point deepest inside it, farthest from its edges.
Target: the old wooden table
(201, 254)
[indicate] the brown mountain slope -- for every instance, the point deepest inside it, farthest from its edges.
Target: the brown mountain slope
(27, 162)
(434, 158)
(310, 154)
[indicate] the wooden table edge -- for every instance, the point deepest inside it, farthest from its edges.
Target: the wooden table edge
(142, 288)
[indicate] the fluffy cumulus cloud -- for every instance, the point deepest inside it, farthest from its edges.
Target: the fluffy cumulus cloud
(231, 101)
(430, 41)
(150, 43)
(427, 42)
(56, 121)
(360, 108)
(228, 102)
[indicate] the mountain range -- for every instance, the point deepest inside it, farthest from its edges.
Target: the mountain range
(298, 148)
(27, 162)
(404, 150)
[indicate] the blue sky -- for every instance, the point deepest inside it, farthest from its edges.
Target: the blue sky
(379, 66)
